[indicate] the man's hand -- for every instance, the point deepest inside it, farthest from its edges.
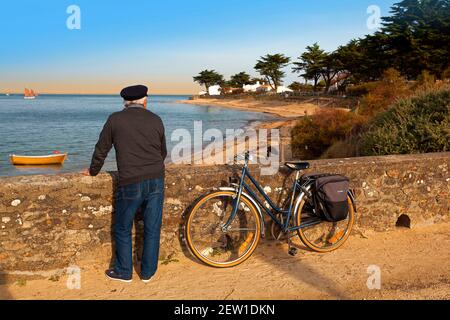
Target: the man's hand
(85, 172)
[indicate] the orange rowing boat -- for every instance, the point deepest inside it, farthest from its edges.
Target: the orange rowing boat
(38, 160)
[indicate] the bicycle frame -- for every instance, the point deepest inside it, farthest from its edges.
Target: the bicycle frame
(289, 213)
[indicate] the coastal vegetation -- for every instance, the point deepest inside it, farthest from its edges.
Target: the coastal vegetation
(413, 39)
(209, 78)
(396, 82)
(271, 67)
(240, 79)
(394, 117)
(312, 135)
(413, 125)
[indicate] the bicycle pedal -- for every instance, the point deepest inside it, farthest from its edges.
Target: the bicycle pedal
(293, 251)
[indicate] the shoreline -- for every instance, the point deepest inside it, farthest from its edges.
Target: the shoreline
(284, 116)
(281, 109)
(277, 120)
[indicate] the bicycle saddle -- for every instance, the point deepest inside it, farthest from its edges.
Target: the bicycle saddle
(297, 165)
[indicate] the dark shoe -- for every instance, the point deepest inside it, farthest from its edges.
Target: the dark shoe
(146, 279)
(111, 274)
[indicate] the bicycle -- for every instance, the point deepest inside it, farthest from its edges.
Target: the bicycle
(224, 226)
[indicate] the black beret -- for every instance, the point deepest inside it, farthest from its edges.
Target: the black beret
(134, 92)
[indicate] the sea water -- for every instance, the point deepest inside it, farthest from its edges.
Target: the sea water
(72, 123)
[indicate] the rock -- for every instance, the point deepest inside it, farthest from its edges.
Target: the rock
(27, 225)
(6, 219)
(87, 180)
(42, 197)
(85, 199)
(198, 188)
(13, 246)
(267, 189)
(393, 173)
(15, 203)
(76, 223)
(77, 237)
(173, 201)
(103, 210)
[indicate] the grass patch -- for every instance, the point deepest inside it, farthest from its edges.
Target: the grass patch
(21, 282)
(54, 278)
(169, 260)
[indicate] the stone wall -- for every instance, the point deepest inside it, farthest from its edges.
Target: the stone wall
(48, 222)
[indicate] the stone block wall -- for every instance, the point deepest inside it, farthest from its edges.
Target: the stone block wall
(48, 222)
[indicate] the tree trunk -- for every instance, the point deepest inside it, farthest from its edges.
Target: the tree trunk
(270, 83)
(316, 80)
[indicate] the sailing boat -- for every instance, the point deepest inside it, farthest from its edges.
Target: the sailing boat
(29, 94)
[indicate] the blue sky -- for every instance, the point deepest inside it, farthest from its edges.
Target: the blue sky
(162, 43)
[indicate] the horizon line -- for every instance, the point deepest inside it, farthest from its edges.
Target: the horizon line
(99, 94)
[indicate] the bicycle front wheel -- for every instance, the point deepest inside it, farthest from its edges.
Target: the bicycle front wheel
(320, 235)
(206, 238)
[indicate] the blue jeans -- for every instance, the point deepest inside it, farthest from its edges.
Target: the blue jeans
(149, 196)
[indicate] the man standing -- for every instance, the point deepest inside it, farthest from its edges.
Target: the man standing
(139, 141)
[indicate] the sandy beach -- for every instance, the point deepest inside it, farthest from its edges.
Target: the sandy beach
(285, 114)
(282, 109)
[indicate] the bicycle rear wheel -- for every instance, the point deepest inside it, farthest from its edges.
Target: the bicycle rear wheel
(320, 235)
(206, 239)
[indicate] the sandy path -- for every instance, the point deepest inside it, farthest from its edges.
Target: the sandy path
(414, 265)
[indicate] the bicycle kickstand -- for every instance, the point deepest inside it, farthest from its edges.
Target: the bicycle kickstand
(291, 249)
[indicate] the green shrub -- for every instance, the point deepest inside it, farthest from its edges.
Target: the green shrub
(312, 135)
(414, 125)
(384, 93)
(297, 86)
(360, 90)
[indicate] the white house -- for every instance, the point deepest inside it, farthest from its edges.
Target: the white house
(214, 90)
(282, 89)
(251, 87)
(258, 87)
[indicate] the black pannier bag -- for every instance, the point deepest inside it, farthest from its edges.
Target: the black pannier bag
(331, 197)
